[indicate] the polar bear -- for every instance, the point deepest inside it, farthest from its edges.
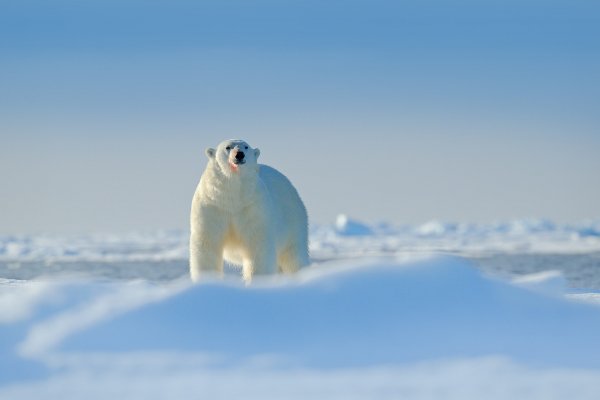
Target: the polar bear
(246, 213)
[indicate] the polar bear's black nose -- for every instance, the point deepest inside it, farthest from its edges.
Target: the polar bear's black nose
(239, 155)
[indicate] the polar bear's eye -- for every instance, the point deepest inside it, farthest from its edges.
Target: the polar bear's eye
(246, 147)
(228, 148)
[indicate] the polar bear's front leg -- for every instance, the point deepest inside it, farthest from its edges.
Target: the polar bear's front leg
(261, 261)
(206, 242)
(260, 255)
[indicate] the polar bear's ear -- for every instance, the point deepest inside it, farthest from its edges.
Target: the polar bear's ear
(210, 153)
(256, 153)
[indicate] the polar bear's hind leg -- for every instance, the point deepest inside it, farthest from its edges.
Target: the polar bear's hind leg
(291, 259)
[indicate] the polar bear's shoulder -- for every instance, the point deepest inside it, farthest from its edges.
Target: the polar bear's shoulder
(272, 177)
(267, 172)
(279, 185)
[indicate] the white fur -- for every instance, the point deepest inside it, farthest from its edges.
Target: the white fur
(248, 215)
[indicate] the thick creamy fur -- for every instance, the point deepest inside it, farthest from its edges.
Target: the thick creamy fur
(247, 214)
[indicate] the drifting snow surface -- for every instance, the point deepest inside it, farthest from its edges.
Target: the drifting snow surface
(377, 329)
(346, 237)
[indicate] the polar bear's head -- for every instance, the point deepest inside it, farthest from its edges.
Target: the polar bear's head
(234, 156)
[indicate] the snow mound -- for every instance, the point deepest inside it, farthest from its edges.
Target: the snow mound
(369, 320)
(348, 227)
(359, 315)
(363, 313)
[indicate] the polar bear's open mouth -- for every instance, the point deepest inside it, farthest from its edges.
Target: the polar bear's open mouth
(234, 164)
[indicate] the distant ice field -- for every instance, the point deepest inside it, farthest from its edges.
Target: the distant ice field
(504, 249)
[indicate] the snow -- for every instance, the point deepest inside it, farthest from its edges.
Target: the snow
(179, 376)
(549, 282)
(345, 329)
(18, 302)
(384, 312)
(321, 312)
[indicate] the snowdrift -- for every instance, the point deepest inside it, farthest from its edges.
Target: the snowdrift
(369, 320)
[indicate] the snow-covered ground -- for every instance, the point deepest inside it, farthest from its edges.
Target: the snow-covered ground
(376, 316)
(346, 236)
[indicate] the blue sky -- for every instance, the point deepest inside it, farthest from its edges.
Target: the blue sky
(386, 110)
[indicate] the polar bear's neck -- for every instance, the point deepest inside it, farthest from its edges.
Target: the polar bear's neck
(230, 191)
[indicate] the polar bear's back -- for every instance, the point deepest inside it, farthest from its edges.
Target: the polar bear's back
(290, 211)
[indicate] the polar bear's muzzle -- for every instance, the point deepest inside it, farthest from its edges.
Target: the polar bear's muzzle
(236, 159)
(239, 158)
